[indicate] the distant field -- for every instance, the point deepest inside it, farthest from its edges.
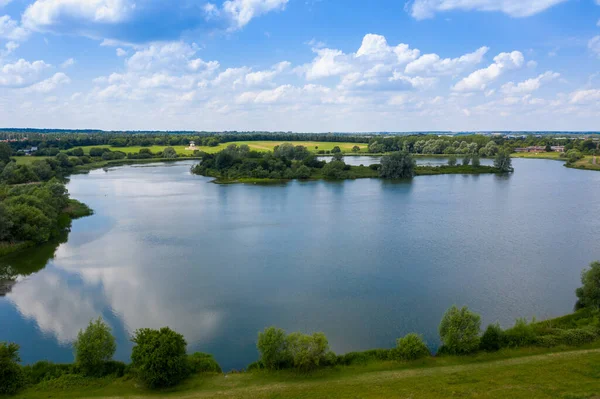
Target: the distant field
(537, 155)
(28, 160)
(254, 145)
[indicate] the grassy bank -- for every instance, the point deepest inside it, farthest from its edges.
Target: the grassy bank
(522, 373)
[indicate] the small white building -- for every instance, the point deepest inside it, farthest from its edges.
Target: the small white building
(192, 146)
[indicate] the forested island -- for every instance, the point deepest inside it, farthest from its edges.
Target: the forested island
(287, 162)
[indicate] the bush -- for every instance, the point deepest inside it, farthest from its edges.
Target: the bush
(411, 347)
(12, 378)
(94, 347)
(203, 363)
(492, 339)
(589, 293)
(452, 160)
(573, 337)
(459, 330)
(159, 357)
(307, 351)
(522, 334)
(365, 357)
(45, 371)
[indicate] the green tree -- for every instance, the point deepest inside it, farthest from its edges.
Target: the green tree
(94, 347)
(336, 150)
(169, 152)
(159, 357)
(452, 160)
(356, 149)
(272, 346)
(398, 165)
(503, 162)
(78, 152)
(12, 378)
(307, 351)
(411, 347)
(5, 223)
(5, 152)
(338, 156)
(466, 160)
(475, 160)
(459, 330)
(588, 294)
(492, 339)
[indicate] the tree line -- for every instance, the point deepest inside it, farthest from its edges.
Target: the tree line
(159, 358)
(48, 143)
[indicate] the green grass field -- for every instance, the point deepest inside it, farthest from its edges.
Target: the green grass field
(525, 373)
(27, 160)
(254, 145)
(538, 155)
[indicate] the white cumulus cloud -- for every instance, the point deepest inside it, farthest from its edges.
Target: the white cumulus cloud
(480, 79)
(43, 14)
(242, 11)
(529, 85)
(433, 64)
(21, 73)
(422, 9)
(594, 45)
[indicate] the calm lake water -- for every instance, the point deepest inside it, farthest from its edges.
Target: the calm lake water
(367, 160)
(364, 261)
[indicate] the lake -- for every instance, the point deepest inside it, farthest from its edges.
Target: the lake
(366, 160)
(365, 261)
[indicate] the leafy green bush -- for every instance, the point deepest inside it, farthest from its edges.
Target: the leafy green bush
(493, 338)
(159, 357)
(522, 334)
(94, 347)
(589, 293)
(203, 363)
(411, 347)
(572, 337)
(272, 346)
(459, 330)
(365, 357)
(44, 371)
(12, 378)
(307, 351)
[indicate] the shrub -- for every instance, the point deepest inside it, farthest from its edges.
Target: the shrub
(159, 357)
(589, 293)
(12, 378)
(522, 334)
(365, 357)
(492, 339)
(272, 346)
(45, 371)
(307, 351)
(94, 347)
(411, 347)
(203, 363)
(573, 337)
(452, 160)
(459, 330)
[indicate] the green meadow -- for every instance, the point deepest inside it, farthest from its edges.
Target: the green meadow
(262, 146)
(514, 373)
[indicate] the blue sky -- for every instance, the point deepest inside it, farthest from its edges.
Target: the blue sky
(301, 65)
